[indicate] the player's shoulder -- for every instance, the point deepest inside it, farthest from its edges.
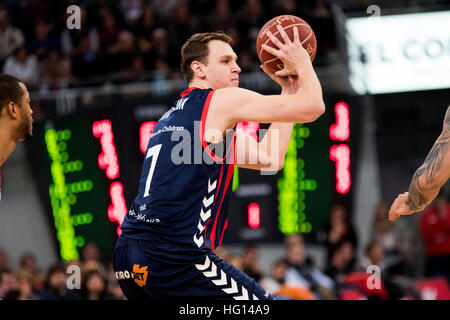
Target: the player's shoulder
(233, 95)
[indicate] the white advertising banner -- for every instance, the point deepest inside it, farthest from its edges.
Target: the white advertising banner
(407, 52)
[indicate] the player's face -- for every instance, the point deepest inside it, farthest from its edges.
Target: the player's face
(221, 69)
(25, 128)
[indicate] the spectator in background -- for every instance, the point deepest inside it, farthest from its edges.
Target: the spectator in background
(236, 260)
(9, 288)
(131, 11)
(291, 7)
(161, 49)
(71, 39)
(86, 60)
(342, 262)
(435, 230)
(338, 229)
(25, 285)
(374, 255)
(43, 40)
(392, 238)
(56, 285)
(38, 282)
(181, 25)
(222, 17)
(4, 260)
(90, 251)
(276, 284)
(301, 271)
(109, 31)
(222, 252)
(95, 287)
(147, 23)
(11, 38)
(165, 6)
(113, 286)
(55, 71)
(28, 263)
(121, 55)
(250, 263)
(23, 66)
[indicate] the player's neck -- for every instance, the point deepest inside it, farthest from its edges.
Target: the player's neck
(199, 83)
(7, 146)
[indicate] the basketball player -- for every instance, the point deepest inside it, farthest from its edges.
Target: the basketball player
(180, 212)
(428, 179)
(16, 122)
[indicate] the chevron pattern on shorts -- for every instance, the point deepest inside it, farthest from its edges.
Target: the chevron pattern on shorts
(220, 279)
(205, 213)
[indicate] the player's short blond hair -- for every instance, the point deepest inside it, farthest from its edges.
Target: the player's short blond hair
(196, 49)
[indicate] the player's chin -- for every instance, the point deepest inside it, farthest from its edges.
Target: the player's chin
(235, 82)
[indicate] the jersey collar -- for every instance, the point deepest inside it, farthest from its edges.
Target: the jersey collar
(186, 92)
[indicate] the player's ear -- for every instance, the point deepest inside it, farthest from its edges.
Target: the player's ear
(11, 109)
(197, 68)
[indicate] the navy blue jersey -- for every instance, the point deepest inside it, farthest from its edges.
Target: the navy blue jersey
(185, 184)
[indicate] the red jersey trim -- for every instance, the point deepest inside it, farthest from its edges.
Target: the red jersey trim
(186, 92)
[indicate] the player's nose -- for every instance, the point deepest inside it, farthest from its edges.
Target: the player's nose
(236, 68)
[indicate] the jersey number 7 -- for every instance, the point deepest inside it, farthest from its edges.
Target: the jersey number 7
(154, 153)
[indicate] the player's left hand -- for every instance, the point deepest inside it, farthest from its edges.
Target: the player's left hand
(400, 207)
(289, 84)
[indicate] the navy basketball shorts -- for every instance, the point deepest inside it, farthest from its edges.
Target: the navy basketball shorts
(146, 271)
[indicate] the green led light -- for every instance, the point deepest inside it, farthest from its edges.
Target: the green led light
(235, 178)
(62, 146)
(292, 186)
(63, 135)
(59, 198)
(288, 195)
(73, 166)
(82, 219)
(80, 241)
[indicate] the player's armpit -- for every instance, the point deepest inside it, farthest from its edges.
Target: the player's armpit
(237, 104)
(250, 154)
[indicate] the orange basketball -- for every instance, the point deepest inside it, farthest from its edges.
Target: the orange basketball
(288, 22)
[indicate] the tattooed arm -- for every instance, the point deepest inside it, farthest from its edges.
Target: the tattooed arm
(428, 179)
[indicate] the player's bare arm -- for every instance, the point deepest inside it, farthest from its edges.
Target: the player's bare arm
(428, 178)
(301, 101)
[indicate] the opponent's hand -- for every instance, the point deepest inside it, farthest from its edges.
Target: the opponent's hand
(289, 84)
(291, 53)
(400, 207)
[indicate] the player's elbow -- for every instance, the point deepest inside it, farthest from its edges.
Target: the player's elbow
(319, 109)
(315, 108)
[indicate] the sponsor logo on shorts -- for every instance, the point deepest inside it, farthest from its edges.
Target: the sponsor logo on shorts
(139, 274)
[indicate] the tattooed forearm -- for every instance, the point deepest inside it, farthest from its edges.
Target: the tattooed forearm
(431, 170)
(416, 200)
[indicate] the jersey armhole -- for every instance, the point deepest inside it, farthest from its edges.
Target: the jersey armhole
(205, 146)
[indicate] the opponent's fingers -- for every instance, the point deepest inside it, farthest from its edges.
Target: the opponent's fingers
(274, 39)
(283, 34)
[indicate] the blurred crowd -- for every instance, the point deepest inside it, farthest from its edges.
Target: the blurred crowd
(125, 40)
(294, 275)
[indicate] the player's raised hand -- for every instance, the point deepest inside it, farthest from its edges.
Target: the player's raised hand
(400, 207)
(291, 52)
(289, 84)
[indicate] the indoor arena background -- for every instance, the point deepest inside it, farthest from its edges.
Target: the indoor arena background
(98, 89)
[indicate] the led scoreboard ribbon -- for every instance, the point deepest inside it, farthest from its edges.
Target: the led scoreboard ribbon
(75, 187)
